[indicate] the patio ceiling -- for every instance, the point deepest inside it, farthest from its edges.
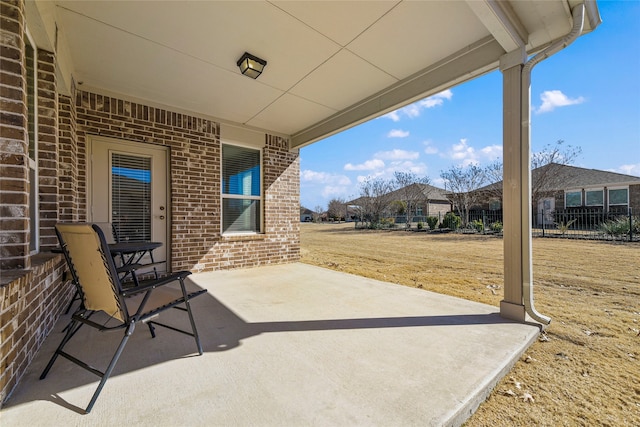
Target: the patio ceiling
(331, 65)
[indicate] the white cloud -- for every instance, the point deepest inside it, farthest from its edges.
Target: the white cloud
(492, 152)
(372, 164)
(397, 155)
(323, 178)
(466, 155)
(328, 185)
(630, 169)
(555, 98)
(331, 191)
(393, 116)
(429, 149)
(463, 153)
(398, 133)
(438, 182)
(437, 99)
(414, 110)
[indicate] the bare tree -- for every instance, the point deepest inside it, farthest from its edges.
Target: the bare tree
(374, 198)
(410, 192)
(495, 175)
(547, 175)
(461, 184)
(336, 209)
(318, 213)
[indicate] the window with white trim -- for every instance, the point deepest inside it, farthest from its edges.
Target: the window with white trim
(572, 199)
(618, 196)
(594, 197)
(495, 205)
(30, 57)
(241, 189)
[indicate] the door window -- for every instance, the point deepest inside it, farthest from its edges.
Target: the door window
(131, 197)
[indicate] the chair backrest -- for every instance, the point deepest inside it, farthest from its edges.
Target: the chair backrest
(109, 231)
(88, 255)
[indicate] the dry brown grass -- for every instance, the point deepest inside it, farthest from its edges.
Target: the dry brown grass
(586, 373)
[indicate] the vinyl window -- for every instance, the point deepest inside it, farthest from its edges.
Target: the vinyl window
(618, 196)
(573, 199)
(594, 197)
(241, 189)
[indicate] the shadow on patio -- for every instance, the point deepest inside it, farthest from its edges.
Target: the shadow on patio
(287, 345)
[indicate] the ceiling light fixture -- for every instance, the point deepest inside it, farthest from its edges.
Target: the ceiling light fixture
(251, 66)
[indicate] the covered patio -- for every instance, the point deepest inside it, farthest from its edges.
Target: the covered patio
(288, 344)
(155, 83)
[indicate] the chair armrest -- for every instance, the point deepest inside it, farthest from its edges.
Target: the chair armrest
(147, 285)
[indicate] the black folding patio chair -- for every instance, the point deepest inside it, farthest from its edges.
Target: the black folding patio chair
(106, 305)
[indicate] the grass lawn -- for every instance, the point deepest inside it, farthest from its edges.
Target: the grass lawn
(584, 371)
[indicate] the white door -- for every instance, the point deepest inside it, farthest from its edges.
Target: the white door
(128, 188)
(546, 207)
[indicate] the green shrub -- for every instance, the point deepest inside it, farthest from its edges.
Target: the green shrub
(420, 225)
(565, 226)
(384, 223)
(496, 226)
(478, 225)
(432, 221)
(620, 226)
(451, 221)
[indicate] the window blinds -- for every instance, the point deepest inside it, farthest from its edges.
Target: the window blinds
(131, 197)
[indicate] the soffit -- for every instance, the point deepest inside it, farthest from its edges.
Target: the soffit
(330, 64)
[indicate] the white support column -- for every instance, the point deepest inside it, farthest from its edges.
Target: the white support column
(516, 187)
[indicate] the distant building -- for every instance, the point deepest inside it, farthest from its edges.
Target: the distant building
(427, 201)
(564, 187)
(306, 215)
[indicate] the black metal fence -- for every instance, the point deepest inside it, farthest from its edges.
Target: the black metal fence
(581, 223)
(574, 223)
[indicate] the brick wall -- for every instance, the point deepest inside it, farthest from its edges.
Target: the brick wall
(195, 149)
(31, 290)
(68, 160)
(30, 304)
(280, 242)
(47, 149)
(14, 173)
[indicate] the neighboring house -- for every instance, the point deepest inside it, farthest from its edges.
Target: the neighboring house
(306, 215)
(426, 200)
(557, 187)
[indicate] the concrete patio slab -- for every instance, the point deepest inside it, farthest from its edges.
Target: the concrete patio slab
(286, 345)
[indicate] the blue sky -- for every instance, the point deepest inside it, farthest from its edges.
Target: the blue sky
(587, 95)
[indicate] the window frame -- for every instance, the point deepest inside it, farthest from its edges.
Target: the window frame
(259, 198)
(566, 193)
(614, 189)
(495, 204)
(593, 190)
(34, 176)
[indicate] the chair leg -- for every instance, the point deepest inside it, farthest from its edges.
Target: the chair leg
(152, 329)
(193, 323)
(112, 364)
(71, 329)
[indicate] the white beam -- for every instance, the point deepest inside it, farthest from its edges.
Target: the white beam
(464, 65)
(501, 21)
